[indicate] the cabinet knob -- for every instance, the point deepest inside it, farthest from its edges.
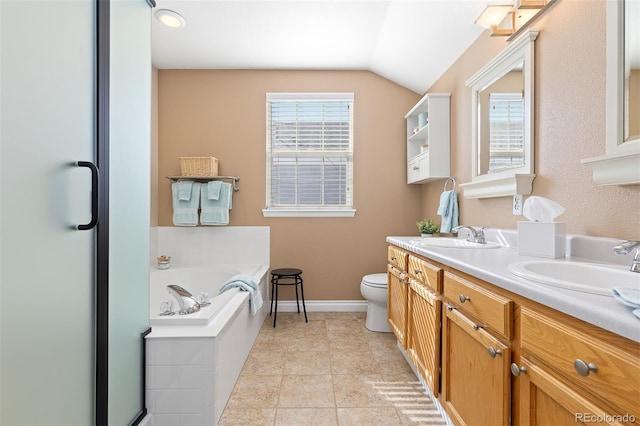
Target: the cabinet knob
(464, 298)
(476, 327)
(417, 271)
(515, 370)
(393, 258)
(450, 308)
(493, 352)
(416, 168)
(583, 368)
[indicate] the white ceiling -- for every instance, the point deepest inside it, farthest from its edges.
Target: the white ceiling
(410, 42)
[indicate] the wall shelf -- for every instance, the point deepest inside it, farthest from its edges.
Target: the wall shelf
(234, 179)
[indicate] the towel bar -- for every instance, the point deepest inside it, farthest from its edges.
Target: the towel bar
(234, 179)
(450, 179)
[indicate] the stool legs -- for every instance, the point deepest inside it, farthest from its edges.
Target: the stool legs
(275, 283)
(298, 277)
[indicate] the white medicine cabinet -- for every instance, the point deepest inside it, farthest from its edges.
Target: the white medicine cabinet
(428, 138)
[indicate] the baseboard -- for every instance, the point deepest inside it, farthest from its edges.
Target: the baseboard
(324, 306)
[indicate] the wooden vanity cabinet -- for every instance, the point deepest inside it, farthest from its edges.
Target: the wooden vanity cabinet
(398, 293)
(397, 303)
(424, 320)
(572, 376)
(476, 354)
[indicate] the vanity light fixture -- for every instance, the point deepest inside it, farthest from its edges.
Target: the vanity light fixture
(170, 18)
(493, 15)
(507, 19)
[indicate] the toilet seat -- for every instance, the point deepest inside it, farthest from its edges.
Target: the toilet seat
(375, 280)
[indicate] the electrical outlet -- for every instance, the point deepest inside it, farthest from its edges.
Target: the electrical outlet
(517, 205)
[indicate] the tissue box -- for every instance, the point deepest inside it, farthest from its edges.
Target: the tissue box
(542, 239)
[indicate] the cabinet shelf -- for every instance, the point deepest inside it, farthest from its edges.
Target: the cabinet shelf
(432, 164)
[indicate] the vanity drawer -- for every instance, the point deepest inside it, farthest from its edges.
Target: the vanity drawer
(426, 273)
(616, 378)
(490, 309)
(397, 257)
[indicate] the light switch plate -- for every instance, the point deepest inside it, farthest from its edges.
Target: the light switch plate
(517, 205)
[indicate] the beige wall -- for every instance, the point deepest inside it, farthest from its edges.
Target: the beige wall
(569, 126)
(221, 113)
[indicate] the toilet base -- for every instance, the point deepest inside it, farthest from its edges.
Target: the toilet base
(377, 318)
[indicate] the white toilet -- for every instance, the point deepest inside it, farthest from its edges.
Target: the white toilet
(374, 288)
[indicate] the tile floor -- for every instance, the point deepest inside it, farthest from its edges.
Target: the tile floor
(329, 371)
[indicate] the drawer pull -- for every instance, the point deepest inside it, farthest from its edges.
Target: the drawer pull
(476, 327)
(464, 298)
(450, 308)
(515, 370)
(393, 258)
(417, 271)
(583, 368)
(493, 352)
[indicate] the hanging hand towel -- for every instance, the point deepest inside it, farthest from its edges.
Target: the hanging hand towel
(185, 213)
(213, 189)
(216, 212)
(448, 209)
(184, 190)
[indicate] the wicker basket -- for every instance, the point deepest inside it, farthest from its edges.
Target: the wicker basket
(199, 166)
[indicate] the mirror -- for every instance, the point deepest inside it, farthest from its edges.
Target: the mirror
(631, 71)
(620, 165)
(502, 123)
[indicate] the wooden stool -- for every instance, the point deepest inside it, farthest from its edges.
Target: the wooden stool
(286, 276)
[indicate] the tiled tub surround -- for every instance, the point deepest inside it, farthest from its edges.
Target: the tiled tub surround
(192, 369)
(491, 266)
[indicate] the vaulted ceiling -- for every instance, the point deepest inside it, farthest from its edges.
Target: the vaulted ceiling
(410, 42)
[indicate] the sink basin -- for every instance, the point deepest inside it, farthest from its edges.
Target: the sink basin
(579, 276)
(452, 243)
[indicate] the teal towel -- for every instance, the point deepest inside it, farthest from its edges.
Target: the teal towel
(216, 212)
(245, 283)
(213, 189)
(184, 190)
(185, 213)
(448, 209)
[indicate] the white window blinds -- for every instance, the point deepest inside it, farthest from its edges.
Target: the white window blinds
(506, 126)
(310, 151)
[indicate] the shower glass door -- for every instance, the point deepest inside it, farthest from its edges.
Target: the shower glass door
(47, 266)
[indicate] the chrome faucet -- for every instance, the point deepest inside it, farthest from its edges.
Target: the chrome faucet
(475, 235)
(188, 304)
(625, 247)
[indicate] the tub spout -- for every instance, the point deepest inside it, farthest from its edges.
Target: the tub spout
(188, 304)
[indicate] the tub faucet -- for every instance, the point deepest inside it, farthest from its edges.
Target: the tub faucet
(475, 235)
(625, 247)
(188, 304)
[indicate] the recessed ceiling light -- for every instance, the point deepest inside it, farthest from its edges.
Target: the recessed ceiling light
(170, 18)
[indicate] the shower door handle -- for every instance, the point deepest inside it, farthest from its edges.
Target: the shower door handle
(95, 180)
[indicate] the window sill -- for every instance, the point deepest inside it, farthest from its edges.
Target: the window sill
(299, 212)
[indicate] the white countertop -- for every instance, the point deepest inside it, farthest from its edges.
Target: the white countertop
(491, 265)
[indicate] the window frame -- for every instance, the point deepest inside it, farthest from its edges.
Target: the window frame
(348, 209)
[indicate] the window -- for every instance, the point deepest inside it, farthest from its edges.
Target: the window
(309, 154)
(506, 127)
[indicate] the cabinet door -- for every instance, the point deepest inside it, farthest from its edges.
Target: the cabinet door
(476, 383)
(545, 400)
(424, 333)
(397, 304)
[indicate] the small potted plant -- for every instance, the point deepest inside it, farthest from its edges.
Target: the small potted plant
(428, 227)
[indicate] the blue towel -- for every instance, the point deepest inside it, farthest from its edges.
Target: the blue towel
(448, 209)
(213, 189)
(185, 213)
(216, 212)
(245, 283)
(184, 190)
(628, 296)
